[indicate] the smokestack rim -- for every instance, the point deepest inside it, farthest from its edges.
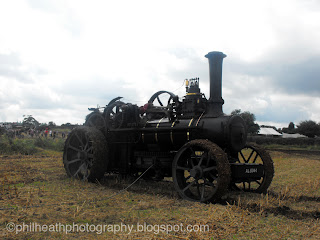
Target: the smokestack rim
(215, 53)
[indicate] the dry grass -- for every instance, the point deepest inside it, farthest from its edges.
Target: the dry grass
(36, 189)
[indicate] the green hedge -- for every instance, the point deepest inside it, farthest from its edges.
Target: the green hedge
(48, 143)
(28, 146)
(284, 141)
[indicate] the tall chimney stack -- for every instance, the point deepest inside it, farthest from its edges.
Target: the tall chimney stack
(215, 68)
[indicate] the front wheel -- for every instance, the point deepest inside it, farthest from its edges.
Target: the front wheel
(85, 154)
(253, 154)
(201, 171)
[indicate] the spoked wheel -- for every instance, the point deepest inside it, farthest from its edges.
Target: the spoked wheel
(96, 119)
(85, 154)
(114, 115)
(201, 171)
(169, 97)
(253, 154)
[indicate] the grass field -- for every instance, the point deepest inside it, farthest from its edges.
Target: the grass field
(35, 192)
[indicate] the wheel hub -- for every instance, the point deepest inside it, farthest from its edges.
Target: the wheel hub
(196, 172)
(83, 155)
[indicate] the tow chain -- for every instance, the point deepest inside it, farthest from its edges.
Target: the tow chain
(121, 191)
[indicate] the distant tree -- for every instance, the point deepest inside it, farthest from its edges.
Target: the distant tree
(69, 125)
(52, 124)
(236, 112)
(30, 122)
(291, 126)
(2, 130)
(290, 129)
(249, 119)
(309, 128)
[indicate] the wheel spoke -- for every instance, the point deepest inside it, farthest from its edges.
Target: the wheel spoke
(191, 161)
(85, 177)
(159, 101)
(244, 159)
(79, 139)
(73, 161)
(88, 145)
(87, 171)
(201, 159)
(206, 182)
(89, 149)
(258, 182)
(211, 175)
(85, 146)
(198, 190)
(187, 178)
(183, 168)
(188, 186)
(250, 156)
(209, 169)
(202, 192)
(74, 148)
(74, 175)
(255, 158)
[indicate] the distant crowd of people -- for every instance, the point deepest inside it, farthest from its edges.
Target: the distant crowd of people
(35, 133)
(14, 133)
(46, 133)
(21, 133)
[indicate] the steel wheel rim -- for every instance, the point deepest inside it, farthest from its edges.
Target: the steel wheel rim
(114, 115)
(250, 155)
(96, 120)
(79, 155)
(196, 174)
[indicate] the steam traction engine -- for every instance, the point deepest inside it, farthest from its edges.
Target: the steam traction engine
(192, 141)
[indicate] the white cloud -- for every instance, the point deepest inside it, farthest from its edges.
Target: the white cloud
(70, 55)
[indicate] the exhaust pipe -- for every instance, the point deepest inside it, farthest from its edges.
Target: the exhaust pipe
(215, 68)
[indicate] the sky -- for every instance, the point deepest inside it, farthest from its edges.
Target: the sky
(59, 57)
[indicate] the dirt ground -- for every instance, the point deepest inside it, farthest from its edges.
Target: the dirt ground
(39, 201)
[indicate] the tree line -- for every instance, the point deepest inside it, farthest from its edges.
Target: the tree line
(30, 122)
(308, 128)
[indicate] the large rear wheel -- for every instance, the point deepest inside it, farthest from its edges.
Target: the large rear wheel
(201, 171)
(85, 154)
